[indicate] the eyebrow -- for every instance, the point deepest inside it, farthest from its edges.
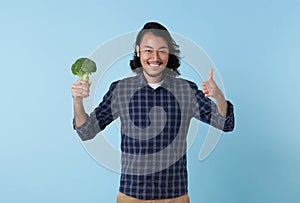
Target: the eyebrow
(163, 47)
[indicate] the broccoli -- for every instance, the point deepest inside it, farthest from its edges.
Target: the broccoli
(83, 67)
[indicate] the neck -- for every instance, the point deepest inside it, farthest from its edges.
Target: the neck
(153, 78)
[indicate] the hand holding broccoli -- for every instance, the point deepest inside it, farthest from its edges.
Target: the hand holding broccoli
(82, 67)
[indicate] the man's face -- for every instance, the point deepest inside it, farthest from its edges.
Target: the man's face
(154, 55)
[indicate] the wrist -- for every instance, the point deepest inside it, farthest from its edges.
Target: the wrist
(220, 98)
(77, 100)
(222, 104)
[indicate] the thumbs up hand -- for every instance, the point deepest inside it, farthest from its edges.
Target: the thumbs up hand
(210, 89)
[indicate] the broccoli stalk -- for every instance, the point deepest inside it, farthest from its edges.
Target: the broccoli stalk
(83, 67)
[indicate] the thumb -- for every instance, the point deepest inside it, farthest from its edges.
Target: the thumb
(210, 74)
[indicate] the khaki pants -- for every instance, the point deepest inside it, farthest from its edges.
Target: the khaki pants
(122, 198)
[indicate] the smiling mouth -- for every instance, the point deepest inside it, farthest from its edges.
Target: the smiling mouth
(154, 64)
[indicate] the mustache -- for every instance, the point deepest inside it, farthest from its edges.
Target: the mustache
(155, 62)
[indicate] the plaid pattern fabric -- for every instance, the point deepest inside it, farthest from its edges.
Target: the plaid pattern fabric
(154, 126)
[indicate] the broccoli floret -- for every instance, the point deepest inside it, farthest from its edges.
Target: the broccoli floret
(83, 67)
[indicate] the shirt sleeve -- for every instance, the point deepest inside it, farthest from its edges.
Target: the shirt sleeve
(102, 116)
(206, 111)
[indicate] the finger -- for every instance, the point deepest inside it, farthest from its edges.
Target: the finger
(82, 83)
(85, 88)
(205, 84)
(76, 94)
(210, 74)
(85, 94)
(80, 94)
(205, 91)
(206, 94)
(78, 89)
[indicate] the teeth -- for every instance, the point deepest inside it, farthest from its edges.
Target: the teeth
(154, 65)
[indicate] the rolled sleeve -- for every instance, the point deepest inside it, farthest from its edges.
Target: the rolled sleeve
(89, 129)
(225, 124)
(206, 111)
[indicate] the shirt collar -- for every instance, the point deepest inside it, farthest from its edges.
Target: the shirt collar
(167, 78)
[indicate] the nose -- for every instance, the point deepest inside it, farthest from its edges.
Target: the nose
(155, 55)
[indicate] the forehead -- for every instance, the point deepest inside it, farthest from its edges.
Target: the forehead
(151, 40)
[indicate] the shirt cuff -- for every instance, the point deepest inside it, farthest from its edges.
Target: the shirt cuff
(225, 124)
(83, 130)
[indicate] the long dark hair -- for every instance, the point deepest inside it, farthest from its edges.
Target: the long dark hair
(160, 31)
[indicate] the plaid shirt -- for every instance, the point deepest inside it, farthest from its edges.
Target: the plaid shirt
(154, 126)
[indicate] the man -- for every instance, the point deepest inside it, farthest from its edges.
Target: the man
(155, 108)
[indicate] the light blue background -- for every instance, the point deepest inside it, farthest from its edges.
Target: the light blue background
(255, 46)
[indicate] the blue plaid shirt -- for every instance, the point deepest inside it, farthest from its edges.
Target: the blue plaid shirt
(154, 126)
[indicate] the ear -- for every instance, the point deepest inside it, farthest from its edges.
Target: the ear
(137, 49)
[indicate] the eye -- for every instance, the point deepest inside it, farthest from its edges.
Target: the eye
(148, 51)
(163, 51)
